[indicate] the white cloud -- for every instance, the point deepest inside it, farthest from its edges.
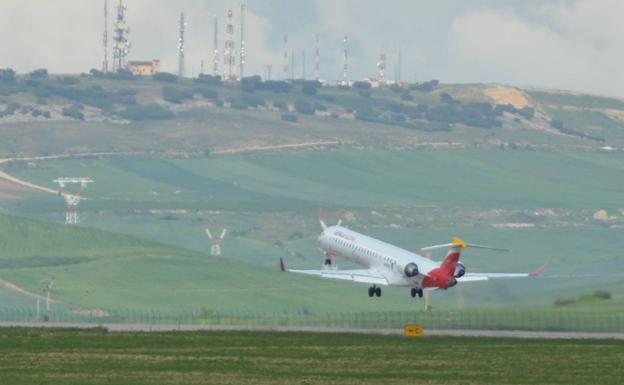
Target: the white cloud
(572, 44)
(567, 45)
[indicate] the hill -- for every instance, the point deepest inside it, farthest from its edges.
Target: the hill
(115, 113)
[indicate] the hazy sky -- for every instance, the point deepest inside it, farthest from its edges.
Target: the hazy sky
(569, 44)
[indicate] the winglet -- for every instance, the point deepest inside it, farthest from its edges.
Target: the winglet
(539, 271)
(282, 266)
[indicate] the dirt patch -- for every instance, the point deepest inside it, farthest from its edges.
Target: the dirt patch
(507, 95)
(9, 186)
(514, 225)
(8, 197)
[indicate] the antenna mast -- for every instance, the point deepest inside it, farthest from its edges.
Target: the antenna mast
(121, 31)
(317, 62)
(181, 42)
(105, 38)
(285, 56)
(381, 68)
(242, 40)
(230, 59)
(215, 51)
(345, 63)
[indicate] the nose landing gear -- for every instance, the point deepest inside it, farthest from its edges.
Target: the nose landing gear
(374, 291)
(416, 291)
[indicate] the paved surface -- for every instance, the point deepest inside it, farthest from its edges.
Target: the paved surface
(113, 327)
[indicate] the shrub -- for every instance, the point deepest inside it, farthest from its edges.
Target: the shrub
(39, 74)
(364, 93)
(320, 106)
(208, 79)
(556, 124)
(7, 76)
(252, 100)
(602, 294)
(208, 93)
(289, 118)
(74, 111)
(407, 96)
(564, 302)
(250, 83)
(362, 85)
(176, 95)
(310, 87)
(68, 80)
(527, 112)
(121, 74)
(275, 86)
(96, 73)
(165, 77)
(426, 86)
(302, 106)
(280, 105)
(148, 112)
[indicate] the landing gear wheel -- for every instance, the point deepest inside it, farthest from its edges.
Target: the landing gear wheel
(378, 292)
(413, 292)
(420, 293)
(371, 291)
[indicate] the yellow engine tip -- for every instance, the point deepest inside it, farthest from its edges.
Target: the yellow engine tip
(459, 243)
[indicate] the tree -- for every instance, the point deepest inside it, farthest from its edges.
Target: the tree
(556, 124)
(176, 95)
(302, 106)
(7, 76)
(280, 105)
(289, 118)
(41, 73)
(165, 77)
(362, 85)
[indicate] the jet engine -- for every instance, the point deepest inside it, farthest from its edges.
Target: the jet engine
(411, 270)
(460, 270)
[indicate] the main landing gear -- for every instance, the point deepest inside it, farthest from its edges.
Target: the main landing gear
(374, 291)
(416, 291)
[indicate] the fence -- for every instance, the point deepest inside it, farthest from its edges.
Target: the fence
(531, 319)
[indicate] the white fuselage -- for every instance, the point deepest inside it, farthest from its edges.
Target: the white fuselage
(387, 259)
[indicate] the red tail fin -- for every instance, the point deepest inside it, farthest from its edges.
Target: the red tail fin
(450, 262)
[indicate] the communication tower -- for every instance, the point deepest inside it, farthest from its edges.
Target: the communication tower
(399, 65)
(267, 75)
(345, 63)
(121, 31)
(229, 53)
(317, 60)
(215, 249)
(72, 199)
(381, 68)
(181, 46)
(215, 48)
(303, 64)
(242, 40)
(105, 38)
(285, 57)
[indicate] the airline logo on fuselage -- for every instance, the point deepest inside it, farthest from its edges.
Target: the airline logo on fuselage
(344, 236)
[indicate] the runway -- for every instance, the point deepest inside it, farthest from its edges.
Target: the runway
(147, 328)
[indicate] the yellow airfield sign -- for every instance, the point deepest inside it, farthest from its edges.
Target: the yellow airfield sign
(413, 330)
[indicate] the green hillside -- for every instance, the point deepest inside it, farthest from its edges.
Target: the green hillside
(95, 113)
(541, 204)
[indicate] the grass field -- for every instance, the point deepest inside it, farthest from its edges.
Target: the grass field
(96, 357)
(152, 254)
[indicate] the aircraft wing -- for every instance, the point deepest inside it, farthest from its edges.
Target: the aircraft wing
(369, 276)
(473, 277)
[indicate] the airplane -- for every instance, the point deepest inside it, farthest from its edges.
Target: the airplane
(389, 265)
